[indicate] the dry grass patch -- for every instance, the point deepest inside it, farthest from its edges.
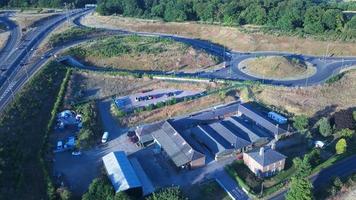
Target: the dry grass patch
(230, 37)
(27, 19)
(174, 110)
(310, 100)
(277, 67)
(144, 53)
(3, 38)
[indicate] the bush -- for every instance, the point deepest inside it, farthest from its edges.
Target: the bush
(341, 146)
(324, 127)
(171, 193)
(301, 122)
(92, 127)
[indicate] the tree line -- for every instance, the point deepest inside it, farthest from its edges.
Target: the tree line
(308, 16)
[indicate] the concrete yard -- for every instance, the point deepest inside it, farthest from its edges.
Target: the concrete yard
(159, 95)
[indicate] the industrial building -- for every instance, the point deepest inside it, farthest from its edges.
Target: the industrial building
(273, 122)
(177, 148)
(126, 175)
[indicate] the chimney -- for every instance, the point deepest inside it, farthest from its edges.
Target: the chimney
(262, 151)
(273, 146)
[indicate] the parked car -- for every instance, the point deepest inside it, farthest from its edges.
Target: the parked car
(105, 137)
(59, 145)
(131, 134)
(76, 153)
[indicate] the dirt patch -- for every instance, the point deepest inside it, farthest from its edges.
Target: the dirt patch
(3, 38)
(145, 53)
(321, 99)
(174, 110)
(230, 37)
(89, 85)
(277, 67)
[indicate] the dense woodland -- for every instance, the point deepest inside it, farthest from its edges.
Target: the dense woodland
(309, 16)
(301, 16)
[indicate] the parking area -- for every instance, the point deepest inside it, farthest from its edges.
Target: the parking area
(79, 171)
(151, 97)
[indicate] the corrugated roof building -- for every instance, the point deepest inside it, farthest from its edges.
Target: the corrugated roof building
(177, 148)
(121, 173)
(259, 114)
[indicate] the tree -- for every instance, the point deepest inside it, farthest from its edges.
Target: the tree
(324, 127)
(299, 189)
(354, 115)
(301, 122)
(313, 20)
(255, 14)
(300, 186)
(351, 24)
(172, 193)
(346, 133)
(341, 146)
(100, 188)
(333, 19)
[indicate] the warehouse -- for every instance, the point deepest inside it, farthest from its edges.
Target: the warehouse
(121, 173)
(177, 148)
(273, 122)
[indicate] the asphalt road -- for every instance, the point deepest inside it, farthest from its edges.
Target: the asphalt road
(326, 67)
(14, 37)
(16, 73)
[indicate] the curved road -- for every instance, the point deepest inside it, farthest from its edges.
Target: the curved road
(14, 37)
(326, 67)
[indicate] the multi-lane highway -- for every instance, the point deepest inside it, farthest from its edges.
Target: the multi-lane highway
(14, 68)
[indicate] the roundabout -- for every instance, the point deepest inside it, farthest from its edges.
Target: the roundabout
(277, 68)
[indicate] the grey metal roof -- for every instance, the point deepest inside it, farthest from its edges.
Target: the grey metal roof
(120, 171)
(205, 137)
(144, 132)
(244, 131)
(175, 145)
(147, 186)
(269, 156)
(259, 114)
(229, 136)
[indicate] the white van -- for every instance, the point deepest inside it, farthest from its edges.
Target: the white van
(105, 137)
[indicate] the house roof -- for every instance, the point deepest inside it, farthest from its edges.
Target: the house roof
(120, 171)
(268, 157)
(175, 145)
(231, 137)
(259, 114)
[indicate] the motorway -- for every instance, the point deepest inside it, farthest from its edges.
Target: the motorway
(14, 70)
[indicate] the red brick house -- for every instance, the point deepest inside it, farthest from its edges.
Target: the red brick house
(264, 162)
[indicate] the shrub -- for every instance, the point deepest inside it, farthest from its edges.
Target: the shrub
(301, 122)
(324, 127)
(341, 146)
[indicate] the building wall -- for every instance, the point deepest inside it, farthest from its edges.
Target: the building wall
(267, 170)
(200, 162)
